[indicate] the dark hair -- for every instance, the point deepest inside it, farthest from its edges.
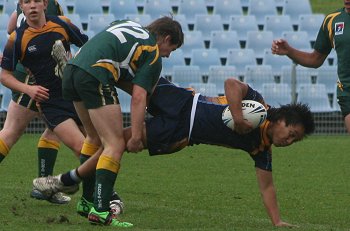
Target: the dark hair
(167, 26)
(293, 114)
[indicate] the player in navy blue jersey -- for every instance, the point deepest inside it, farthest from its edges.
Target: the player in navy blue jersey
(31, 45)
(181, 118)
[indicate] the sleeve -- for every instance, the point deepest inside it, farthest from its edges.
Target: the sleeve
(76, 36)
(10, 55)
(263, 160)
(323, 42)
(148, 72)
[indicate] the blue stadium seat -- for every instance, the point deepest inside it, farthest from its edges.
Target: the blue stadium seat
(315, 95)
(226, 8)
(218, 74)
(185, 75)
(75, 19)
(294, 8)
(224, 40)
(142, 19)
(304, 75)
(124, 100)
(190, 8)
(275, 61)
(277, 24)
(83, 9)
(176, 59)
(257, 75)
(242, 24)
(207, 23)
(9, 6)
(240, 58)
(328, 76)
(310, 23)
(207, 89)
(297, 39)
(259, 41)
(4, 19)
(276, 94)
(97, 22)
(157, 8)
(261, 8)
(3, 39)
(204, 58)
(193, 40)
(122, 7)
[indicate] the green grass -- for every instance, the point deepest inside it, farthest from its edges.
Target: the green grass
(200, 188)
(326, 6)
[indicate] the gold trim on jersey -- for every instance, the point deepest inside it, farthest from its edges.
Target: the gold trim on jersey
(31, 33)
(265, 141)
(108, 64)
(139, 51)
(329, 25)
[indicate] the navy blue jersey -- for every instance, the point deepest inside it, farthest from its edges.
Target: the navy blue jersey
(171, 107)
(32, 47)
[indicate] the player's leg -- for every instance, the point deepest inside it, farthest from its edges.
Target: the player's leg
(347, 123)
(17, 119)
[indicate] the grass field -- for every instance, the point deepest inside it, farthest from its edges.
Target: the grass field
(200, 188)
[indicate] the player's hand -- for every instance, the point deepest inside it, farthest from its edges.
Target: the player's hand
(285, 224)
(243, 127)
(38, 93)
(134, 145)
(280, 47)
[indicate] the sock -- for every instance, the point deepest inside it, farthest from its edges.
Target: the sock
(4, 150)
(47, 153)
(106, 174)
(88, 184)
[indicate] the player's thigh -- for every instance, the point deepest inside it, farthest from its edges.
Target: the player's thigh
(49, 135)
(17, 119)
(347, 122)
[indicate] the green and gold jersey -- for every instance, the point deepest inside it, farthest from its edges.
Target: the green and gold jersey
(122, 51)
(335, 33)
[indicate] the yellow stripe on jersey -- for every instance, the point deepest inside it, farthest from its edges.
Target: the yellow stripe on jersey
(265, 142)
(329, 25)
(45, 143)
(110, 67)
(139, 51)
(106, 162)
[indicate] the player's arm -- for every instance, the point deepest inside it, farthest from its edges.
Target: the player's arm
(235, 91)
(269, 197)
(12, 24)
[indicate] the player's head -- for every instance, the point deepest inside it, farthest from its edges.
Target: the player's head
(169, 34)
(290, 123)
(33, 9)
(347, 5)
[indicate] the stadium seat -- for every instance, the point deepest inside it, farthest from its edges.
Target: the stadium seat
(276, 94)
(3, 39)
(192, 40)
(176, 59)
(304, 75)
(207, 89)
(75, 19)
(122, 7)
(257, 75)
(142, 19)
(6, 97)
(218, 74)
(190, 8)
(184, 75)
(83, 9)
(124, 100)
(310, 23)
(315, 95)
(335, 105)
(157, 8)
(328, 76)
(261, 8)
(332, 58)
(297, 39)
(4, 19)
(294, 8)
(204, 58)
(182, 20)
(259, 41)
(97, 22)
(207, 23)
(240, 58)
(226, 8)
(242, 24)
(222, 41)
(9, 6)
(277, 24)
(276, 62)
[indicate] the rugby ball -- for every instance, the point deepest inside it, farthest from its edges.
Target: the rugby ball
(253, 111)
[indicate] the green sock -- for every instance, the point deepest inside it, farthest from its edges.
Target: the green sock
(88, 183)
(105, 180)
(47, 154)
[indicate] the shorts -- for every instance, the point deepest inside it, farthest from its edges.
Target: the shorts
(57, 110)
(170, 107)
(21, 98)
(78, 85)
(344, 103)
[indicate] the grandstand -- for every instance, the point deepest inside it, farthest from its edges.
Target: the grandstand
(251, 23)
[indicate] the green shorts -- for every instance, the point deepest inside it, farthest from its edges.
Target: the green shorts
(344, 103)
(21, 98)
(78, 85)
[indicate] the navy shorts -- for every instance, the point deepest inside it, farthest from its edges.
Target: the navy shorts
(170, 107)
